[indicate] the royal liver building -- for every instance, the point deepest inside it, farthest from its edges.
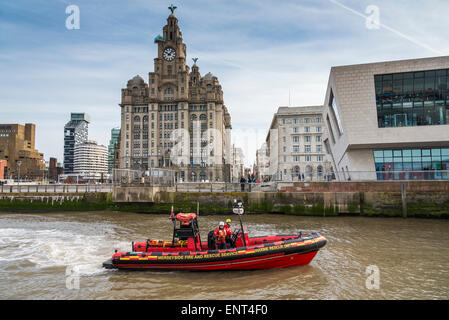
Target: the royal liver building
(178, 119)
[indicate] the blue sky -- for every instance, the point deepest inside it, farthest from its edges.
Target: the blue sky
(260, 50)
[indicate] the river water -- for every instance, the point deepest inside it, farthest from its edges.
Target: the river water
(48, 256)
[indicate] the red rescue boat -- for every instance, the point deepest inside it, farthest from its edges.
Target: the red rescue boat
(186, 251)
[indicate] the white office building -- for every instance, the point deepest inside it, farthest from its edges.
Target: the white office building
(295, 145)
(238, 163)
(262, 168)
(91, 160)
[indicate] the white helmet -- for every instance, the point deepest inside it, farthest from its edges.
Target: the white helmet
(221, 223)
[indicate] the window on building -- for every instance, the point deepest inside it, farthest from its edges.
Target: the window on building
(412, 98)
(412, 164)
(335, 113)
(307, 148)
(307, 138)
(329, 126)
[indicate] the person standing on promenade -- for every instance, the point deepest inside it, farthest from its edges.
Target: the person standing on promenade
(242, 184)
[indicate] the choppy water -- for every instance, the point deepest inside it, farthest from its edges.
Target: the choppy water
(412, 257)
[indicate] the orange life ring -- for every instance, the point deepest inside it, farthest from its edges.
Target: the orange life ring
(185, 217)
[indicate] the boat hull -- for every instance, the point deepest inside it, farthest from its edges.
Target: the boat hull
(280, 254)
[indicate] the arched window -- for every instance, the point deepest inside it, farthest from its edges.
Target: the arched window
(202, 176)
(193, 117)
(136, 119)
(193, 177)
(203, 117)
(145, 119)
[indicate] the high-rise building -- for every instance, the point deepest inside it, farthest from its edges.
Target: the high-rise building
(17, 146)
(113, 144)
(91, 160)
(75, 131)
(178, 119)
(389, 120)
(295, 144)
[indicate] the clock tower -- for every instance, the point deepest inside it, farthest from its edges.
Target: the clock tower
(176, 99)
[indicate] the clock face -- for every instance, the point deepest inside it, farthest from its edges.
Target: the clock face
(169, 54)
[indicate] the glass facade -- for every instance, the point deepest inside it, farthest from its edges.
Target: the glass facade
(412, 164)
(412, 98)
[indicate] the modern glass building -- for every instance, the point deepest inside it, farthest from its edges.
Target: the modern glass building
(115, 134)
(389, 120)
(75, 132)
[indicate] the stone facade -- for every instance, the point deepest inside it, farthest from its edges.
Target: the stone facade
(178, 119)
(295, 144)
(352, 125)
(17, 146)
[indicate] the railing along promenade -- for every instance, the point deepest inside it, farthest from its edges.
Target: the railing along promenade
(55, 188)
(165, 178)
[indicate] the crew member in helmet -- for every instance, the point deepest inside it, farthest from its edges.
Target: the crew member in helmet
(228, 230)
(220, 236)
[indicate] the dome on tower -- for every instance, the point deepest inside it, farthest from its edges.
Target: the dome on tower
(137, 80)
(208, 76)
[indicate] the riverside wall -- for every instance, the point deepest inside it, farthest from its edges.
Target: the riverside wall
(421, 199)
